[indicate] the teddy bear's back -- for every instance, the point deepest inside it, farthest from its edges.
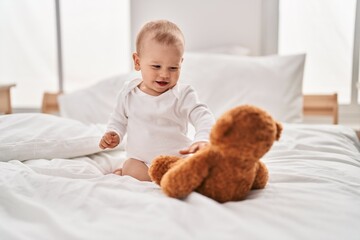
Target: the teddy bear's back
(229, 182)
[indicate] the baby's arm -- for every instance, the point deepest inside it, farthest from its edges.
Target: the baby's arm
(200, 117)
(109, 140)
(116, 127)
(196, 146)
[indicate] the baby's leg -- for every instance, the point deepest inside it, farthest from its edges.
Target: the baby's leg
(118, 171)
(136, 169)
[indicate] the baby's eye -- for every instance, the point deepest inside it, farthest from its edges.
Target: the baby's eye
(156, 66)
(174, 69)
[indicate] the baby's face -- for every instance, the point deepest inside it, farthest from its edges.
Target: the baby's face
(160, 66)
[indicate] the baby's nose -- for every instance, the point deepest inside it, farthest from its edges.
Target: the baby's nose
(165, 74)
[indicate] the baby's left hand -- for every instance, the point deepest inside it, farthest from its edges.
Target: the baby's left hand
(194, 147)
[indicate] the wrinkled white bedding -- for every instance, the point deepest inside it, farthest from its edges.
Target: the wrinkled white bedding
(313, 193)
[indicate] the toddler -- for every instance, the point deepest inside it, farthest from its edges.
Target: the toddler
(155, 110)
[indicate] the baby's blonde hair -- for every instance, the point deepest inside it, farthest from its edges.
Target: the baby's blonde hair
(162, 31)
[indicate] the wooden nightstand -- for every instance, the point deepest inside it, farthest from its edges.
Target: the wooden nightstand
(358, 133)
(5, 98)
(50, 103)
(322, 104)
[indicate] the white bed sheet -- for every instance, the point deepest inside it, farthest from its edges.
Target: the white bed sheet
(313, 193)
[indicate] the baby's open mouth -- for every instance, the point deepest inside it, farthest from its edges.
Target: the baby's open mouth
(162, 83)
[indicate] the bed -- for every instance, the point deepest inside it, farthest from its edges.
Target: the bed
(56, 184)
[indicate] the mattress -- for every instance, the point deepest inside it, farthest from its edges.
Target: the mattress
(313, 193)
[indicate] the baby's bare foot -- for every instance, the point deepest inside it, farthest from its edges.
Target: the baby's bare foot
(118, 171)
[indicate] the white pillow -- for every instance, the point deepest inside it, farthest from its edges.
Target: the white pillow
(42, 136)
(273, 83)
(95, 103)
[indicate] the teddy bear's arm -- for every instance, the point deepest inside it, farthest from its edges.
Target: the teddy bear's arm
(182, 179)
(160, 166)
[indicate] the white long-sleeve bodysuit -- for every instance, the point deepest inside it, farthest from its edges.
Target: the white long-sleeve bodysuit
(157, 125)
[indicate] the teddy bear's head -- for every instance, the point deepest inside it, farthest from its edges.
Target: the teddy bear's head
(246, 129)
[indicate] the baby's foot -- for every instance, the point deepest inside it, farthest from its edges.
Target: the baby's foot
(118, 171)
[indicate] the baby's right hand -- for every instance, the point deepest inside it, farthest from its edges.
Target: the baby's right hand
(109, 140)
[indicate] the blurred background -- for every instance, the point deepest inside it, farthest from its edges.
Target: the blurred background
(65, 45)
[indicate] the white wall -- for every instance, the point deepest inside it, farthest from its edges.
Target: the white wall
(214, 23)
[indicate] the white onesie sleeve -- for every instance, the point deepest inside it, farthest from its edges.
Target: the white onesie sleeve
(118, 118)
(198, 114)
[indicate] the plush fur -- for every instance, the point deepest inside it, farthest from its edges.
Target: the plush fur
(229, 167)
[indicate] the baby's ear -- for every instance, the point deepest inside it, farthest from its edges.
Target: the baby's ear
(136, 60)
(279, 129)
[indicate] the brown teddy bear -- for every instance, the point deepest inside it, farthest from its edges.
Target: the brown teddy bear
(229, 167)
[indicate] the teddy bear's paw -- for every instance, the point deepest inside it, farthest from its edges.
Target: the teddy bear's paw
(261, 177)
(160, 165)
(175, 187)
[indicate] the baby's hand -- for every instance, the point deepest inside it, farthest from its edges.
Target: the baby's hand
(109, 140)
(194, 147)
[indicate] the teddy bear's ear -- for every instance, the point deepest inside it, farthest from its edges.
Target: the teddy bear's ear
(279, 129)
